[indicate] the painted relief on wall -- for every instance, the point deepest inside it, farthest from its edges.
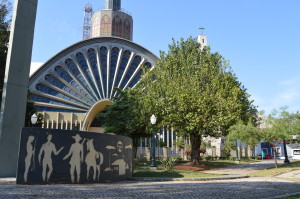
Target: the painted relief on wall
(63, 156)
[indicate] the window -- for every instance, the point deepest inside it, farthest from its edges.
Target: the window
(105, 26)
(117, 27)
(127, 29)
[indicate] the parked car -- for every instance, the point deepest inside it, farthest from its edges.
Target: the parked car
(268, 157)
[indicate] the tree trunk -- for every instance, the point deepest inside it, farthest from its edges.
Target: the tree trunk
(274, 153)
(195, 150)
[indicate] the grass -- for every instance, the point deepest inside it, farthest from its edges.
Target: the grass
(142, 169)
(172, 174)
(276, 171)
(224, 163)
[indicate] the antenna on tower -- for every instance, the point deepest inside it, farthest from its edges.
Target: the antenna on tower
(86, 29)
(202, 29)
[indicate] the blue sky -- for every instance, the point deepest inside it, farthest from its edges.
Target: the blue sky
(260, 38)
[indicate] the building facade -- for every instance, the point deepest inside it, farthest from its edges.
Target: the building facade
(77, 83)
(112, 22)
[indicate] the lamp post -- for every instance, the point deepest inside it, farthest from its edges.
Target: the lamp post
(237, 151)
(33, 119)
(153, 121)
(158, 144)
(286, 159)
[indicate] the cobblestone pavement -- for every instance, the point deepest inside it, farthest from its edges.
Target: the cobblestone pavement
(241, 188)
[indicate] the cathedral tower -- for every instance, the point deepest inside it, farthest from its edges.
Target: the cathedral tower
(112, 22)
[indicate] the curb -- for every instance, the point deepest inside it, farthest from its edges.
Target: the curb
(228, 177)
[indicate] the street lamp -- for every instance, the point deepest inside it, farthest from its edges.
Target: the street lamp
(237, 152)
(158, 144)
(33, 119)
(153, 121)
(286, 159)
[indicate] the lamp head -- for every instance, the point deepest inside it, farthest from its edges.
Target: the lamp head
(34, 119)
(153, 119)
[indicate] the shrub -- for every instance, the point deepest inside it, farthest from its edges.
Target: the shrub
(207, 158)
(178, 159)
(168, 163)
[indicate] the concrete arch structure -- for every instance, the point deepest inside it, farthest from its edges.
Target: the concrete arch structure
(92, 113)
(81, 79)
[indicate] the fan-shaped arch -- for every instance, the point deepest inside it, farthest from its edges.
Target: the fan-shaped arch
(86, 73)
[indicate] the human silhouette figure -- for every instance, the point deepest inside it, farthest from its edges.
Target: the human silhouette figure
(76, 153)
(30, 151)
(48, 148)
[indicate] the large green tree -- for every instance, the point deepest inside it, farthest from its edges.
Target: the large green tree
(280, 125)
(125, 117)
(5, 8)
(194, 91)
(248, 133)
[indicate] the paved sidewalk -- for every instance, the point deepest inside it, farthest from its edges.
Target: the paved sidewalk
(246, 169)
(238, 188)
(292, 174)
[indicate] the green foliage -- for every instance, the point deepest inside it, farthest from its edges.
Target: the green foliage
(30, 110)
(195, 92)
(5, 9)
(125, 117)
(168, 163)
(247, 133)
(162, 143)
(179, 142)
(280, 125)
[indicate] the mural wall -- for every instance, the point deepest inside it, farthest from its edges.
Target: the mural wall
(64, 156)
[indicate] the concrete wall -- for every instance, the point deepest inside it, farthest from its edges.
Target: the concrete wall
(65, 156)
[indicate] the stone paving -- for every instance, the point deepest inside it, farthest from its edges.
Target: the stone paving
(239, 188)
(255, 187)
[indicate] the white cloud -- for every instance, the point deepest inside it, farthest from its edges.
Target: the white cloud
(290, 82)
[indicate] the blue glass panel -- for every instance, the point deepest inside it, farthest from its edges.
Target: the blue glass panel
(124, 61)
(74, 70)
(55, 82)
(45, 89)
(136, 79)
(38, 98)
(148, 65)
(93, 60)
(64, 75)
(83, 64)
(113, 64)
(134, 64)
(50, 109)
(103, 63)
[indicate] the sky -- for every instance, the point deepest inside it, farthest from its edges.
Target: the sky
(261, 39)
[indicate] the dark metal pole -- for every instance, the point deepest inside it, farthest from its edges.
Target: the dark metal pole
(153, 164)
(286, 159)
(237, 151)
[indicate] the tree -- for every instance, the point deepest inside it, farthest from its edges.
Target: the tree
(280, 126)
(5, 9)
(124, 117)
(247, 133)
(195, 92)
